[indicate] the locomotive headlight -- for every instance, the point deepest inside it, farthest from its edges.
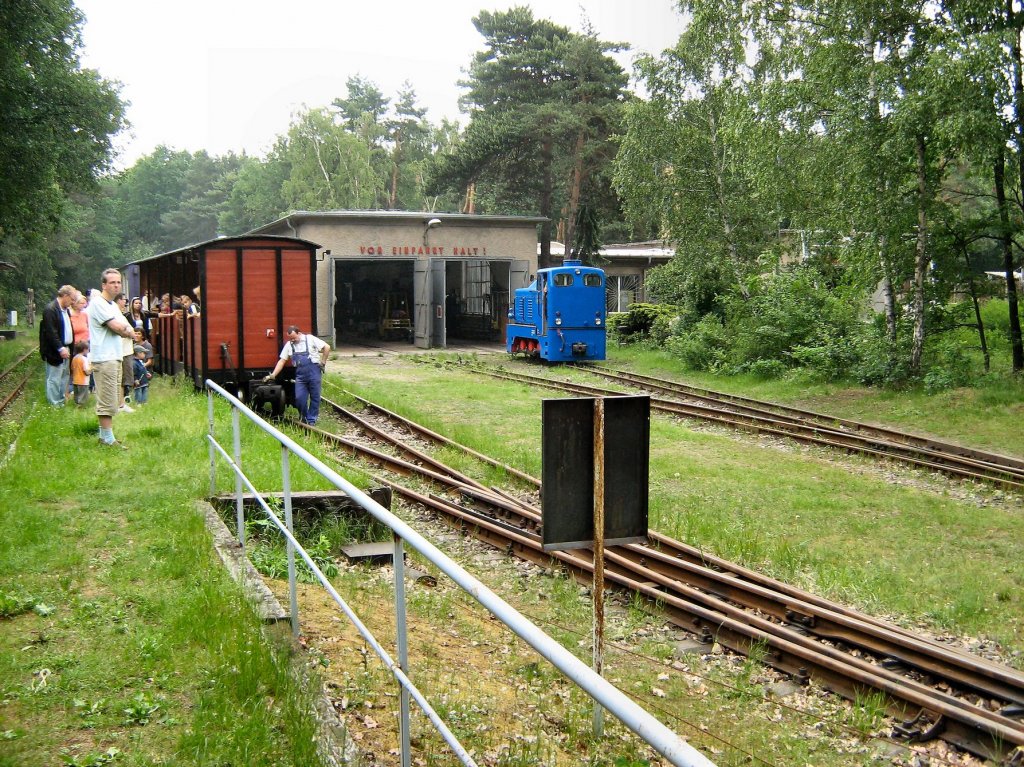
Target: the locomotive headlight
(558, 320)
(597, 321)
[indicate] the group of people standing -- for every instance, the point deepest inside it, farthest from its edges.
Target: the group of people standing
(103, 344)
(104, 339)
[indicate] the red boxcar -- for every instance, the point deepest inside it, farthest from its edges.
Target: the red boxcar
(249, 289)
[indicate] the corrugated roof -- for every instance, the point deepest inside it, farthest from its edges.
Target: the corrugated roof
(225, 240)
(648, 249)
(419, 216)
(1002, 275)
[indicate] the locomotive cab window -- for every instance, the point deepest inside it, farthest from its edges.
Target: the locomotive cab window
(592, 280)
(563, 280)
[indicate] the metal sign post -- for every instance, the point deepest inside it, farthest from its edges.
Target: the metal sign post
(567, 463)
(595, 457)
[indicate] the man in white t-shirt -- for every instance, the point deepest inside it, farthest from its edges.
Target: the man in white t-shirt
(107, 326)
(309, 356)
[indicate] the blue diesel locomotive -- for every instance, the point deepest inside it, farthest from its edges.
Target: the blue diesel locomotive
(560, 317)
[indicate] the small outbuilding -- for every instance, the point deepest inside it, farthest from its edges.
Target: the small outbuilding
(626, 266)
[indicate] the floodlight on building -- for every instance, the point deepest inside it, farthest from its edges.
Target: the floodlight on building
(430, 225)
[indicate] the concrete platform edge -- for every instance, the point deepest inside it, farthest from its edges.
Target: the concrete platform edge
(336, 748)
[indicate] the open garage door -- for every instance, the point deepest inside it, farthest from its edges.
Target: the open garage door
(372, 300)
(429, 292)
(439, 337)
(518, 277)
(421, 301)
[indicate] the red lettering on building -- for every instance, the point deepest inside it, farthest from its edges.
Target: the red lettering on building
(421, 250)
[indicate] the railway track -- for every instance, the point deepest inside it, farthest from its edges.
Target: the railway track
(12, 383)
(802, 425)
(937, 691)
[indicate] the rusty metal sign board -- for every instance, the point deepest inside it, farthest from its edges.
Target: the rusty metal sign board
(567, 471)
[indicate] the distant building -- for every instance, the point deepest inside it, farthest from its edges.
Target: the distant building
(626, 266)
(1001, 278)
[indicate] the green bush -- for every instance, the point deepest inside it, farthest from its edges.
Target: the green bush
(643, 322)
(703, 346)
(663, 327)
(767, 368)
(995, 314)
(798, 322)
(830, 358)
(948, 366)
(787, 311)
(880, 361)
(789, 320)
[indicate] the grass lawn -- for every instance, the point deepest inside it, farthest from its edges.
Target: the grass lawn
(122, 641)
(986, 417)
(837, 527)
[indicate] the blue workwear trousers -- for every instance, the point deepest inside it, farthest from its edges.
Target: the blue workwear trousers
(308, 380)
(57, 378)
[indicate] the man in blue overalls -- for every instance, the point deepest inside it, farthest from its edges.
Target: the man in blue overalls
(309, 356)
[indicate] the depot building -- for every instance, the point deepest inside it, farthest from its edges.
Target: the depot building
(419, 277)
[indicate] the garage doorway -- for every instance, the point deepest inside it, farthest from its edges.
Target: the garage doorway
(373, 300)
(476, 302)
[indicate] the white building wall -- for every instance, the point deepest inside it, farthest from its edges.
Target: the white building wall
(388, 235)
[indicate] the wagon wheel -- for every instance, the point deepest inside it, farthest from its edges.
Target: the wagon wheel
(277, 403)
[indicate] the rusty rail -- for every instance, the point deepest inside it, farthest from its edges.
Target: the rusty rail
(808, 431)
(714, 598)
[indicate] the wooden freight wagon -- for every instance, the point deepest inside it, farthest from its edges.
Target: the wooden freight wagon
(250, 289)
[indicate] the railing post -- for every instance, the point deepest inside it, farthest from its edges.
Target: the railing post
(598, 548)
(403, 649)
(662, 739)
(239, 506)
(286, 489)
(213, 452)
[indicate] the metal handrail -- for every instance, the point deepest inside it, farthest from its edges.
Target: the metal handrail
(643, 724)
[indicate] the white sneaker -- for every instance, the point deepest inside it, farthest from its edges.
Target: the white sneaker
(126, 409)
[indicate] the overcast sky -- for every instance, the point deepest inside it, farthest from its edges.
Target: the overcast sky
(227, 75)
